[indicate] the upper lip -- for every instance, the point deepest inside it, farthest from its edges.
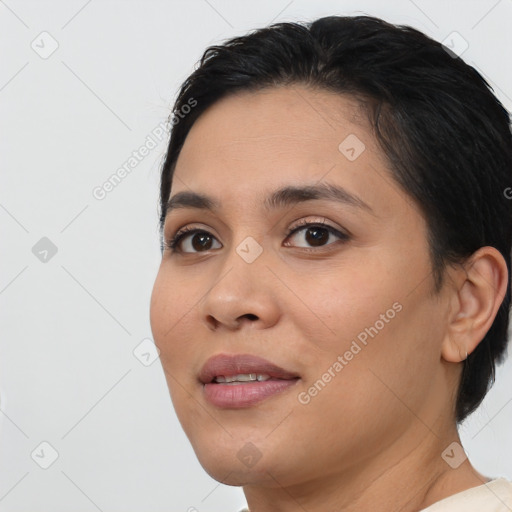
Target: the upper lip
(236, 364)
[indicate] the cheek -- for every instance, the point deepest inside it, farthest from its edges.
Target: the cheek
(171, 314)
(162, 307)
(332, 307)
(381, 383)
(366, 314)
(173, 297)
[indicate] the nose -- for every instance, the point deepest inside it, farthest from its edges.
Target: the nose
(240, 293)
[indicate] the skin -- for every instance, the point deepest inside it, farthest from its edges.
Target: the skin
(372, 438)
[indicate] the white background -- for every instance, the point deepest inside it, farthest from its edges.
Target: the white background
(69, 326)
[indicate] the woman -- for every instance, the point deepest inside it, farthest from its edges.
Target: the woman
(334, 289)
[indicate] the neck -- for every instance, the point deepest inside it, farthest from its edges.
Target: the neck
(398, 478)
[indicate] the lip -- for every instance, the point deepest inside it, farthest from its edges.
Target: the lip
(243, 394)
(226, 364)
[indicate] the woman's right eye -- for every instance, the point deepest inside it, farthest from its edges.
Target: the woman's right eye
(188, 235)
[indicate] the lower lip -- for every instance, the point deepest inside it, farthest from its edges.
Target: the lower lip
(236, 396)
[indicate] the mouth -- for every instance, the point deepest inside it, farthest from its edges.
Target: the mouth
(243, 380)
(242, 377)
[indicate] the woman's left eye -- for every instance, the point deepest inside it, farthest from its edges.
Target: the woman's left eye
(317, 234)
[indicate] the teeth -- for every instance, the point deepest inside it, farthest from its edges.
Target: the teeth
(243, 377)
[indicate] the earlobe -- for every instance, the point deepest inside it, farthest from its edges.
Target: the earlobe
(478, 293)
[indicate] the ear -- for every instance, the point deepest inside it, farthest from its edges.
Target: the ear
(479, 289)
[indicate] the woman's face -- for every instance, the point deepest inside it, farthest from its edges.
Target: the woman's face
(345, 307)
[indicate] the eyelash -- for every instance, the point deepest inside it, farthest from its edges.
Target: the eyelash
(172, 244)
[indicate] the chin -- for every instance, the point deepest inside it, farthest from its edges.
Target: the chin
(237, 477)
(235, 461)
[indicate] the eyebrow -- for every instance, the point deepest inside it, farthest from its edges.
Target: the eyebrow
(283, 197)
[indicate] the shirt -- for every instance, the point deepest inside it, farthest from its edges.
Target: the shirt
(494, 496)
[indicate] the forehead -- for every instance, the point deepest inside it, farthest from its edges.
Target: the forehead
(253, 142)
(287, 121)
